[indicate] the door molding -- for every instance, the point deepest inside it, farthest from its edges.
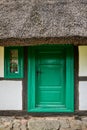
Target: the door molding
(69, 98)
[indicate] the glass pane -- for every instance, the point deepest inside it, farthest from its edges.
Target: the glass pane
(14, 61)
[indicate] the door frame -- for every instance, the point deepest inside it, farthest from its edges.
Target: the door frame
(69, 98)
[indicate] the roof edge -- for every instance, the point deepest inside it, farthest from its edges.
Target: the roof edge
(75, 40)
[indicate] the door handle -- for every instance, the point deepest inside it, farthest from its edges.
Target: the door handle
(38, 72)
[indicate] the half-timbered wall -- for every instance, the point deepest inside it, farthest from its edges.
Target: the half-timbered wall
(83, 77)
(11, 90)
(10, 95)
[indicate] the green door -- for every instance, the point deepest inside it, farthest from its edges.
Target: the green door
(50, 73)
(51, 79)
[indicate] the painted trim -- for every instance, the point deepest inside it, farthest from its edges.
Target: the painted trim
(7, 73)
(70, 78)
(69, 84)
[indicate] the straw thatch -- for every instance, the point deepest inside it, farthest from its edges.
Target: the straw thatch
(43, 18)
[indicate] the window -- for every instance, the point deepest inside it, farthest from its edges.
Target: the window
(51, 79)
(13, 62)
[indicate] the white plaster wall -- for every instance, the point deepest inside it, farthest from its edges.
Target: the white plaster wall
(82, 60)
(83, 72)
(1, 61)
(83, 95)
(10, 95)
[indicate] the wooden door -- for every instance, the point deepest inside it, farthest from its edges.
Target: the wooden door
(51, 79)
(50, 73)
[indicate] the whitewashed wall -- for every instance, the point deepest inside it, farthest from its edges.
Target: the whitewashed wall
(83, 95)
(11, 91)
(10, 95)
(82, 60)
(83, 72)
(1, 61)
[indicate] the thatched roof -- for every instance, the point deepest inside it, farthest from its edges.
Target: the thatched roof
(43, 18)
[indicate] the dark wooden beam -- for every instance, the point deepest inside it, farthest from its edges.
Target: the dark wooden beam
(76, 82)
(82, 78)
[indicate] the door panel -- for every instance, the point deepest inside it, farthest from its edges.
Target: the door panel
(50, 88)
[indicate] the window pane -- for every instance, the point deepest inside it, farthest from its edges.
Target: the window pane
(14, 61)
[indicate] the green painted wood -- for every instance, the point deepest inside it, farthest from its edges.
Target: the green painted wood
(31, 78)
(50, 79)
(70, 78)
(7, 73)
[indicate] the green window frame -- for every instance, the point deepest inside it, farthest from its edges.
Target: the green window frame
(13, 62)
(69, 94)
